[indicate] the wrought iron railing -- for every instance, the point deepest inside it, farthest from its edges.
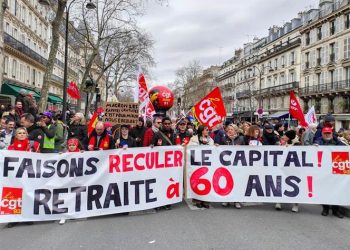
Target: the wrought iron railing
(326, 88)
(14, 43)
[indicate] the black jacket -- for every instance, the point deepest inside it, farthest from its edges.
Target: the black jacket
(36, 134)
(138, 132)
(269, 139)
(238, 140)
(160, 140)
(77, 131)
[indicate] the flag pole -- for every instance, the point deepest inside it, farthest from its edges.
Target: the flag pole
(289, 121)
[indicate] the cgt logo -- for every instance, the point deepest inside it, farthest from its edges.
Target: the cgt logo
(340, 163)
(11, 201)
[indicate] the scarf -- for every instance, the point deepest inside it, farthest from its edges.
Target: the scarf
(18, 145)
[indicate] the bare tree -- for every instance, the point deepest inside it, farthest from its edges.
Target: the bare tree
(186, 76)
(59, 10)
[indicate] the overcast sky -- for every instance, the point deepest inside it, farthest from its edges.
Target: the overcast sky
(210, 30)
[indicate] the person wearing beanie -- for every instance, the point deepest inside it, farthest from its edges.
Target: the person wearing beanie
(328, 121)
(138, 132)
(46, 125)
(124, 140)
(269, 137)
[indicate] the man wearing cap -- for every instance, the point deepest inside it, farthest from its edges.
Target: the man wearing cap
(45, 124)
(269, 137)
(328, 121)
(138, 132)
(183, 137)
(124, 140)
(99, 139)
(327, 139)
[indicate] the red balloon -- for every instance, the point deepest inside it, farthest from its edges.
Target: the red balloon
(161, 97)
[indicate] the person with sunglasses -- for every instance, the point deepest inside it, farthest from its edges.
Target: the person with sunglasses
(166, 135)
(150, 132)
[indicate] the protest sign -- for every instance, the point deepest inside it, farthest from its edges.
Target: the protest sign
(318, 175)
(119, 113)
(37, 187)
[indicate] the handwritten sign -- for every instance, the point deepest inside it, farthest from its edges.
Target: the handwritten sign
(119, 113)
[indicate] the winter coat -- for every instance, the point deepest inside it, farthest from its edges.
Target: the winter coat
(332, 142)
(138, 132)
(238, 140)
(196, 141)
(106, 141)
(78, 131)
(164, 138)
(269, 139)
(130, 142)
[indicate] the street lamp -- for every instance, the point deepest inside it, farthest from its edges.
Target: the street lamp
(90, 6)
(261, 71)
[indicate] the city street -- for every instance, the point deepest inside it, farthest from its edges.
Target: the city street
(255, 226)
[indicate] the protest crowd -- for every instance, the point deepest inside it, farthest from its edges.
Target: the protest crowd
(24, 129)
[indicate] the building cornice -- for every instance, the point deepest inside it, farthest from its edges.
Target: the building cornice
(23, 57)
(330, 17)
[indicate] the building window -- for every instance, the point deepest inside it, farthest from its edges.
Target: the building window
(282, 62)
(14, 68)
(292, 58)
(6, 65)
(21, 72)
(7, 28)
(332, 52)
(347, 21)
(33, 77)
(307, 38)
(347, 48)
(24, 13)
(28, 74)
(332, 28)
(319, 33)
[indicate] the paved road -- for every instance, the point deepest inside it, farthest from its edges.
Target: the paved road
(253, 227)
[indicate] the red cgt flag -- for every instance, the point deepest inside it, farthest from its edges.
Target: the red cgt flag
(295, 109)
(73, 91)
(210, 111)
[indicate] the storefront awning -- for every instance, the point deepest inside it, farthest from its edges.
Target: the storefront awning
(54, 99)
(9, 88)
(279, 115)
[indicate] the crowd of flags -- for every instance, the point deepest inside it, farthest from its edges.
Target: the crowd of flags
(209, 111)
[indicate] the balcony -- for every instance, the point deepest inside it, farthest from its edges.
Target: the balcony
(279, 89)
(281, 48)
(327, 88)
(57, 79)
(17, 45)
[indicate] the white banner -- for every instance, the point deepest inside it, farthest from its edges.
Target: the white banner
(295, 174)
(36, 187)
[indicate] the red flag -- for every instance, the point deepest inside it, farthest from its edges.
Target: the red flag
(150, 111)
(210, 111)
(94, 120)
(143, 92)
(73, 91)
(295, 110)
